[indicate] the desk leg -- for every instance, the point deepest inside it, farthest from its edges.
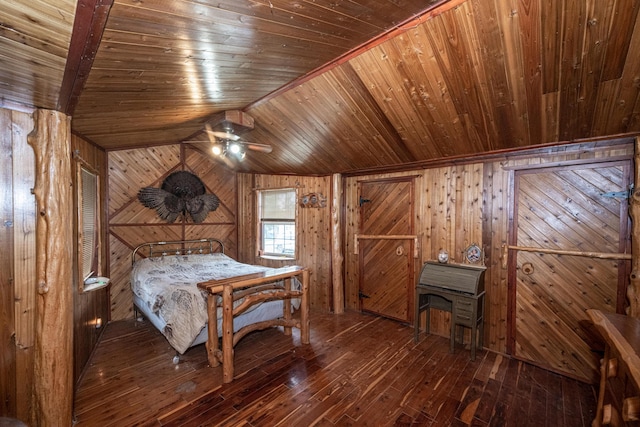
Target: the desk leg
(474, 339)
(212, 337)
(416, 320)
(227, 334)
(453, 328)
(304, 308)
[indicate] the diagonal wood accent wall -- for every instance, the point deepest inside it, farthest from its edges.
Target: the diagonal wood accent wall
(131, 223)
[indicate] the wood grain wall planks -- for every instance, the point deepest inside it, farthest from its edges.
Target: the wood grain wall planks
(94, 305)
(17, 261)
(24, 225)
(7, 321)
(313, 231)
(464, 203)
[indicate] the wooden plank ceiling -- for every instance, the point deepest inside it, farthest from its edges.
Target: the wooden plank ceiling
(333, 86)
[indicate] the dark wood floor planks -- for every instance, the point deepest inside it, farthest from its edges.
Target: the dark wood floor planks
(359, 370)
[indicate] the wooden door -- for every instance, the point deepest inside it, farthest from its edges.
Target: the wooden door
(386, 247)
(566, 209)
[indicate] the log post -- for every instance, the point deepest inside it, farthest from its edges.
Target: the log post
(53, 353)
(337, 259)
(633, 291)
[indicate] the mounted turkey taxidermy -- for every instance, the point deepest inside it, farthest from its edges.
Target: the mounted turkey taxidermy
(182, 192)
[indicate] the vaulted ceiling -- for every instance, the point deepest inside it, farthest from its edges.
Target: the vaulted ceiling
(332, 85)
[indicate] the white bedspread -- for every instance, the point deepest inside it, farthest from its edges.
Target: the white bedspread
(168, 284)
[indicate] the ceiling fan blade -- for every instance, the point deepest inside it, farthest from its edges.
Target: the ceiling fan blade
(222, 135)
(263, 148)
(209, 132)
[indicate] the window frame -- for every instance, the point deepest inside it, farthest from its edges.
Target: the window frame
(277, 221)
(94, 269)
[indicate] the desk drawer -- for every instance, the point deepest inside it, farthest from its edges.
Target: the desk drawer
(464, 319)
(465, 305)
(465, 312)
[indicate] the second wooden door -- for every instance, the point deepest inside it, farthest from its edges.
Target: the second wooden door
(567, 209)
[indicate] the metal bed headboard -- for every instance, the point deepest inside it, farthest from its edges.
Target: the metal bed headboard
(177, 247)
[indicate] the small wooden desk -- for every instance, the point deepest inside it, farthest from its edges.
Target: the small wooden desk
(466, 311)
(619, 394)
(458, 289)
(254, 288)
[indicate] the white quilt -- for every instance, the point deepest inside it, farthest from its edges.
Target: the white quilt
(168, 285)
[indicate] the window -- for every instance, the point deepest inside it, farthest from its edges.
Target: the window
(277, 212)
(88, 219)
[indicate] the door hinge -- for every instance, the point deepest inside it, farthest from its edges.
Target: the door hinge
(362, 295)
(363, 201)
(619, 194)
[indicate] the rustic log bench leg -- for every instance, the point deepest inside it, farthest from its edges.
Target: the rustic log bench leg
(304, 308)
(212, 338)
(227, 333)
(286, 307)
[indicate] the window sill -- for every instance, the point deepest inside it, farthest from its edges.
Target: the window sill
(278, 258)
(95, 283)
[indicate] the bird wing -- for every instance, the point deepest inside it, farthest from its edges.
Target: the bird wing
(166, 204)
(200, 206)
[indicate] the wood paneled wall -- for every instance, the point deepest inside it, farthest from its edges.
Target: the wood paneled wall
(17, 264)
(93, 305)
(18, 269)
(462, 203)
(131, 223)
(313, 230)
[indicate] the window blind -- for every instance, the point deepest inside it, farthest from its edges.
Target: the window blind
(278, 204)
(89, 214)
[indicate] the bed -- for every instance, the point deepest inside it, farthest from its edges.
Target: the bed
(164, 281)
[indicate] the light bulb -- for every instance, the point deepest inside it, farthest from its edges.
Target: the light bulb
(217, 150)
(234, 148)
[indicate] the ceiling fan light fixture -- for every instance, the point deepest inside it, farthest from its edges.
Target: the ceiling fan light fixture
(217, 150)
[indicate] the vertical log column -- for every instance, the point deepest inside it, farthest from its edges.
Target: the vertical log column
(633, 291)
(53, 355)
(337, 259)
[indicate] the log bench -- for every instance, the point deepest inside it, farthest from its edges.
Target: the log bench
(253, 289)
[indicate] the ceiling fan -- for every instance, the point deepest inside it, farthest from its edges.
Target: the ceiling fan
(223, 131)
(226, 143)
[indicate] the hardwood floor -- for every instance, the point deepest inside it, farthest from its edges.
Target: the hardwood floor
(359, 370)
